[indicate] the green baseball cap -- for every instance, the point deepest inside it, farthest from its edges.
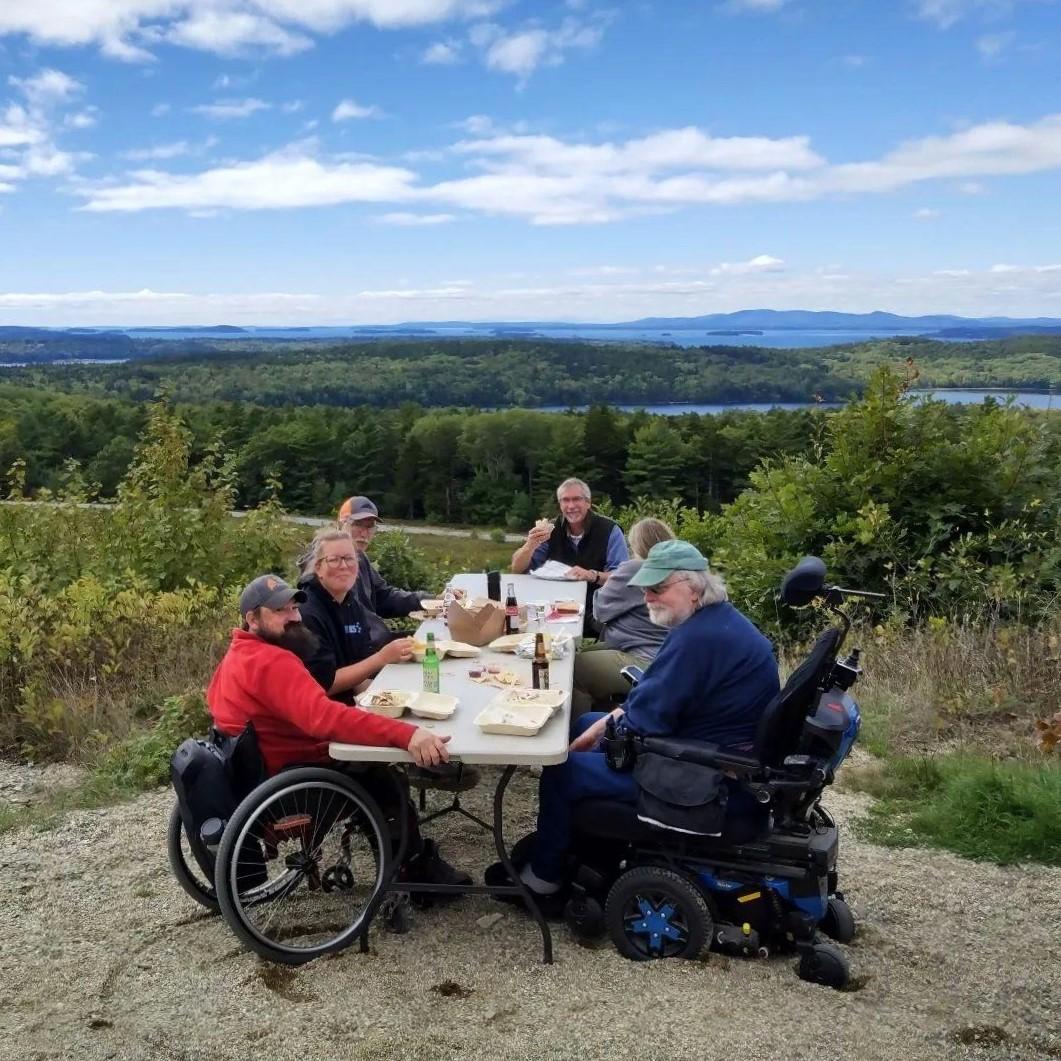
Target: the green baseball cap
(664, 558)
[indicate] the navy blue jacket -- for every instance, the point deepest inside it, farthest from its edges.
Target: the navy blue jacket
(341, 628)
(710, 681)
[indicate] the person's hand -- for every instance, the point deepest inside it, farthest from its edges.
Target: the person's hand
(427, 748)
(589, 740)
(582, 574)
(400, 651)
(537, 535)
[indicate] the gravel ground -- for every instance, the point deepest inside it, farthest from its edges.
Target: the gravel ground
(102, 956)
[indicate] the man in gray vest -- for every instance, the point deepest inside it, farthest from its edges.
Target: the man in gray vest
(591, 545)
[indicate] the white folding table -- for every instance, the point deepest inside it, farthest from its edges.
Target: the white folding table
(468, 744)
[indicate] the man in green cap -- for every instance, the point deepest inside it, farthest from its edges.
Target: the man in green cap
(710, 681)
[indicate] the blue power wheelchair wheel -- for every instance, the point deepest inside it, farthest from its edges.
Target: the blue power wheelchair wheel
(185, 865)
(301, 864)
(653, 912)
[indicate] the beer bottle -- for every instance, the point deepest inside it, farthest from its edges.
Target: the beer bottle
(540, 666)
(431, 673)
(511, 611)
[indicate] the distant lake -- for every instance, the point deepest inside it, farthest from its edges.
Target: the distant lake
(1030, 399)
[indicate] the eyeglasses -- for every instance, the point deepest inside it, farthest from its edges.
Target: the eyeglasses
(573, 500)
(340, 561)
(368, 523)
(662, 587)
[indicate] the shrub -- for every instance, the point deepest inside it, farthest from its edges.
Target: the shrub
(402, 564)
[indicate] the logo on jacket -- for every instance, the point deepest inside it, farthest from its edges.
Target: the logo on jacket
(353, 628)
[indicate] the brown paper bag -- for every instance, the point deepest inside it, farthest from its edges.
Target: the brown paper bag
(476, 622)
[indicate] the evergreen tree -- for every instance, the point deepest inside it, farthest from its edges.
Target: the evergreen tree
(657, 464)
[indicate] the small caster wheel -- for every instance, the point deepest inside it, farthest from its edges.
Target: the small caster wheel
(839, 922)
(824, 964)
(585, 917)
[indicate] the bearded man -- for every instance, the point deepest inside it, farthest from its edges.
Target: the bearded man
(711, 680)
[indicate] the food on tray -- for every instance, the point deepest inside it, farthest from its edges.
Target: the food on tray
(544, 524)
(420, 648)
(513, 720)
(388, 702)
(567, 607)
(550, 698)
(496, 676)
(432, 608)
(456, 648)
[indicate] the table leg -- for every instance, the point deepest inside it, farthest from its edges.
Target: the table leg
(510, 869)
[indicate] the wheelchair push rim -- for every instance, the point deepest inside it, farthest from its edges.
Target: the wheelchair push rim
(301, 865)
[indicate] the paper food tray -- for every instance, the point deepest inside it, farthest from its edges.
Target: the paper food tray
(402, 699)
(433, 705)
(457, 649)
(506, 643)
(521, 720)
(550, 698)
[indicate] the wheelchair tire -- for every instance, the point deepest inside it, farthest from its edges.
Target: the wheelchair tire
(275, 886)
(184, 865)
(824, 964)
(653, 912)
(839, 922)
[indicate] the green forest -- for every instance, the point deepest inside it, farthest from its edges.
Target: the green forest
(501, 373)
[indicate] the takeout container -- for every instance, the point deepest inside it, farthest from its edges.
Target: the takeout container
(512, 720)
(401, 698)
(506, 643)
(458, 649)
(421, 704)
(432, 608)
(519, 698)
(475, 622)
(433, 705)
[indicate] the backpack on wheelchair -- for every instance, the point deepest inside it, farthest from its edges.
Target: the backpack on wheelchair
(726, 849)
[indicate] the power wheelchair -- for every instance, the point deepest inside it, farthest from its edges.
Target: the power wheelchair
(295, 863)
(730, 850)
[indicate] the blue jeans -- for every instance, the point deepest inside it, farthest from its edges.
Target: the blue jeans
(585, 775)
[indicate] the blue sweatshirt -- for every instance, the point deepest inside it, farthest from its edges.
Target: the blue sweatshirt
(710, 681)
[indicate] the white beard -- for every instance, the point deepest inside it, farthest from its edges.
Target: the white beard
(666, 617)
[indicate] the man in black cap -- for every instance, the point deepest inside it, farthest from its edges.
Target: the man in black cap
(359, 516)
(262, 680)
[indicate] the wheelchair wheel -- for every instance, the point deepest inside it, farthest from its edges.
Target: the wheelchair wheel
(185, 866)
(839, 922)
(824, 964)
(301, 864)
(657, 913)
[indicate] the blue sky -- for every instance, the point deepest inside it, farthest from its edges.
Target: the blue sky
(359, 161)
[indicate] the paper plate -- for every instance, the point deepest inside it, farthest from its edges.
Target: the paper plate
(550, 698)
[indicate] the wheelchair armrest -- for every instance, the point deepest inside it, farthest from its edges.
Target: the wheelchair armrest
(703, 752)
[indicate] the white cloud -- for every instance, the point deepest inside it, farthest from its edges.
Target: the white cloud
(549, 181)
(854, 62)
(521, 52)
(174, 149)
(348, 108)
(945, 13)
(972, 188)
(85, 119)
(16, 128)
(761, 263)
(926, 213)
(235, 33)
(1013, 290)
(127, 29)
(292, 106)
(410, 220)
(754, 6)
(442, 53)
(47, 88)
(160, 109)
(992, 45)
(282, 180)
(224, 109)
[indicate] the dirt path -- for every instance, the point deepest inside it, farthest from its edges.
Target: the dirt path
(102, 956)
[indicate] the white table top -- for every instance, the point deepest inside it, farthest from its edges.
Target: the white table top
(469, 744)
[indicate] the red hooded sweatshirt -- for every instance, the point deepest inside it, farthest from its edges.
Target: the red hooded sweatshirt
(293, 717)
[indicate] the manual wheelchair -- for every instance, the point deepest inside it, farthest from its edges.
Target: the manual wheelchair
(758, 879)
(296, 864)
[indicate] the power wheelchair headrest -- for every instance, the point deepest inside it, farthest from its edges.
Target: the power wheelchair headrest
(804, 582)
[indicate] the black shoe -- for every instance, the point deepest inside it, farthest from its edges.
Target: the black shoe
(551, 906)
(448, 777)
(429, 867)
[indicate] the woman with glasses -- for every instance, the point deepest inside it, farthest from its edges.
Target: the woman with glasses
(344, 658)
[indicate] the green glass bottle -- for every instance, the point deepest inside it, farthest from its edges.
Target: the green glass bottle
(431, 671)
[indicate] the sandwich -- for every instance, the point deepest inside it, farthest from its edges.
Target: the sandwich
(567, 607)
(544, 524)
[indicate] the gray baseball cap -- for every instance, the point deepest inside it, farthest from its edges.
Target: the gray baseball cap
(358, 507)
(268, 591)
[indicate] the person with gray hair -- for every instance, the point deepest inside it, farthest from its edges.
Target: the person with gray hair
(591, 545)
(627, 634)
(711, 681)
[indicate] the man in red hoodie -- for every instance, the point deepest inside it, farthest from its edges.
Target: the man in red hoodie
(262, 680)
